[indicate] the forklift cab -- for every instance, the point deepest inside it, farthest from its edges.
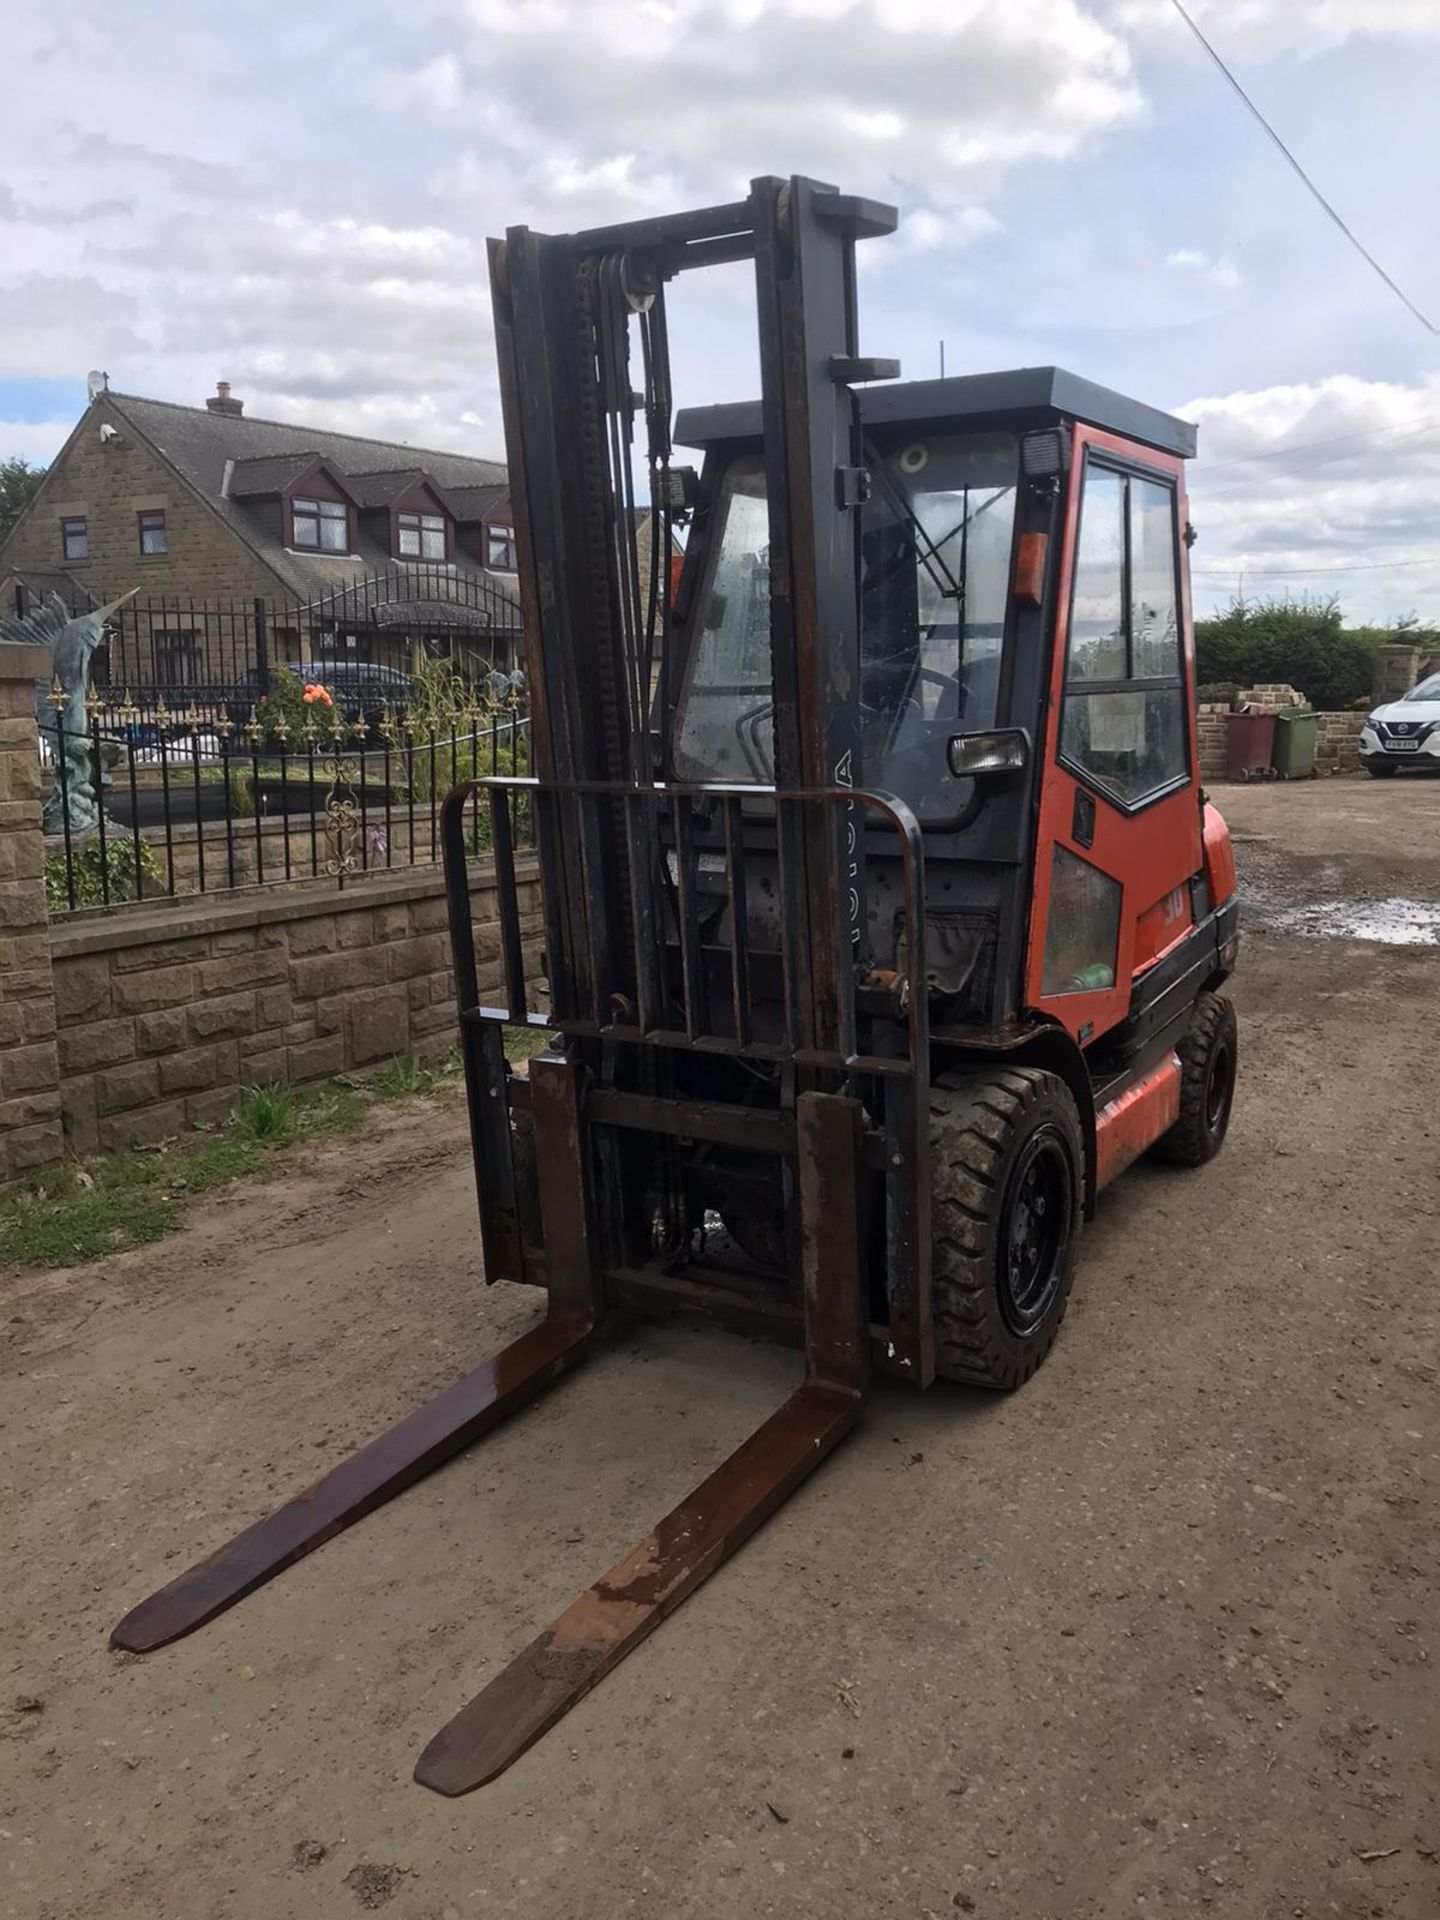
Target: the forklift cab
(1026, 679)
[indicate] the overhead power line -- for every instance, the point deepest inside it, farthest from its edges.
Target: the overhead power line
(1234, 489)
(1401, 430)
(1310, 185)
(1304, 573)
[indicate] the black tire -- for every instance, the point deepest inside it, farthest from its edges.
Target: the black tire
(1381, 769)
(1001, 1142)
(1209, 1054)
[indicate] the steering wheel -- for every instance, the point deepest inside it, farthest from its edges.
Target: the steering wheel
(747, 732)
(949, 682)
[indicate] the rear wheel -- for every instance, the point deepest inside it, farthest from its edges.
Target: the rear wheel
(1208, 1059)
(1381, 769)
(1007, 1163)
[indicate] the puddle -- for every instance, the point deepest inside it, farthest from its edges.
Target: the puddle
(1395, 923)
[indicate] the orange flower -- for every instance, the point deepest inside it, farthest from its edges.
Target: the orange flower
(316, 694)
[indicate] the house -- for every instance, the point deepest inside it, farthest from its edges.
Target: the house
(251, 543)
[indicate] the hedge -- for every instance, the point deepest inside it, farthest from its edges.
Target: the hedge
(1304, 644)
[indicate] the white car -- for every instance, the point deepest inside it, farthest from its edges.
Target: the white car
(1403, 733)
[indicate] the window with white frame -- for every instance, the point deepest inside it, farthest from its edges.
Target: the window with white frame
(500, 547)
(75, 537)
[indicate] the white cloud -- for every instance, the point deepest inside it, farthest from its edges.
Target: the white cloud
(276, 234)
(35, 441)
(1197, 266)
(1257, 29)
(299, 204)
(951, 93)
(1329, 486)
(928, 229)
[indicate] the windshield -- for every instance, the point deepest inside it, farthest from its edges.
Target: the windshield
(936, 547)
(1427, 690)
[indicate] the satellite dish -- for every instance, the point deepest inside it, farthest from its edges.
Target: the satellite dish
(96, 383)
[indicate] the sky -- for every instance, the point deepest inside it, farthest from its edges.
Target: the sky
(297, 200)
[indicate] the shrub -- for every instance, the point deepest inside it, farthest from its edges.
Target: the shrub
(446, 709)
(1301, 642)
(285, 705)
(99, 882)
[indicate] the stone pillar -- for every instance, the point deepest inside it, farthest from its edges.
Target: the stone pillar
(30, 1131)
(1397, 668)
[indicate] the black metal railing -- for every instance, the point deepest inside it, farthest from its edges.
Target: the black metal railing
(367, 639)
(194, 801)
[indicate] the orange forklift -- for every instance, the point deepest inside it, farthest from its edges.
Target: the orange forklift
(884, 919)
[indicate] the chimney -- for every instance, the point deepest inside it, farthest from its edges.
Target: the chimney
(221, 402)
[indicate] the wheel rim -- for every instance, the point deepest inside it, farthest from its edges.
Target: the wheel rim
(1035, 1231)
(1220, 1088)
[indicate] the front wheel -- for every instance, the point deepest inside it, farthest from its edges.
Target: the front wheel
(1007, 1162)
(1208, 1057)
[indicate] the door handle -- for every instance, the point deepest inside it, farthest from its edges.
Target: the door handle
(1082, 821)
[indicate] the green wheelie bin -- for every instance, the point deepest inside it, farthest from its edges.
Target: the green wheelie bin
(1294, 750)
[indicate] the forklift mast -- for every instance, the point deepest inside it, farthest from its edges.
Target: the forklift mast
(597, 635)
(636, 976)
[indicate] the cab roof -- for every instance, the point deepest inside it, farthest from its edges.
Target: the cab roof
(1041, 395)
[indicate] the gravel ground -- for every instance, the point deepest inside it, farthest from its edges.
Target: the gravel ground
(1152, 1637)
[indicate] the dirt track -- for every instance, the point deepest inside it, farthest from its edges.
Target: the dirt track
(1156, 1635)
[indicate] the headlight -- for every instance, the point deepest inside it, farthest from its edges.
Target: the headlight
(981, 753)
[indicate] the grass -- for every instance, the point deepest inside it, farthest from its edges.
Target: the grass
(72, 1213)
(523, 1043)
(76, 1212)
(412, 1073)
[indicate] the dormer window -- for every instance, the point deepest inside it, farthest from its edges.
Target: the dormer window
(500, 547)
(322, 526)
(420, 536)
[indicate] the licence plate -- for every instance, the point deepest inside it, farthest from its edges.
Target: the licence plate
(1402, 746)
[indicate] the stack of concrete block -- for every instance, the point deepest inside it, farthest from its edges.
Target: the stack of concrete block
(1273, 697)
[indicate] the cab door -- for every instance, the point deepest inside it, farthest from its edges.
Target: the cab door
(1119, 834)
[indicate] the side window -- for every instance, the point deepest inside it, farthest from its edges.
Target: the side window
(1123, 723)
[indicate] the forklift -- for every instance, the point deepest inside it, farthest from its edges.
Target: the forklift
(882, 918)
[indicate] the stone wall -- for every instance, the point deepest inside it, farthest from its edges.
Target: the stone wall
(1336, 741)
(1210, 725)
(166, 1013)
(29, 1096)
(1337, 746)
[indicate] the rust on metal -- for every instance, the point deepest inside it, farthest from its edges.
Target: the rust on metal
(611, 1618)
(431, 1435)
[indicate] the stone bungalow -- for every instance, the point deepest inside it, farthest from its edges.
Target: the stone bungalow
(361, 548)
